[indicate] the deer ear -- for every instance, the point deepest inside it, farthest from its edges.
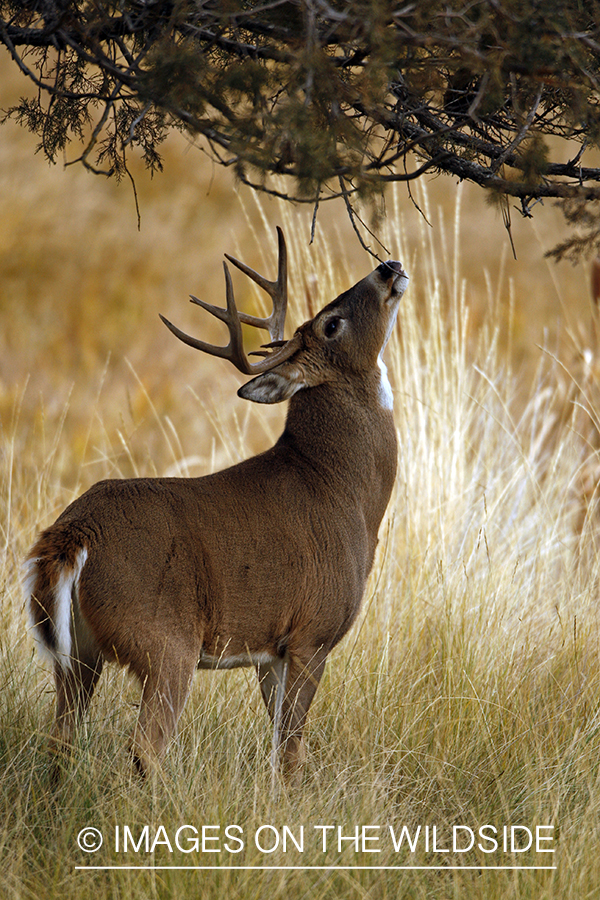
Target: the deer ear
(274, 386)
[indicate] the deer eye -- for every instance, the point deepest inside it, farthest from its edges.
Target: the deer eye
(331, 327)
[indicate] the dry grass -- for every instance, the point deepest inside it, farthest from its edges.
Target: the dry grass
(468, 692)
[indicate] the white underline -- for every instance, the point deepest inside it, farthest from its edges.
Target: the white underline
(319, 868)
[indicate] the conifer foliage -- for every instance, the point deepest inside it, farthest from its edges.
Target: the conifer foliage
(340, 96)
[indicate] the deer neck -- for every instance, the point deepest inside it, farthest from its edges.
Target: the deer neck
(348, 437)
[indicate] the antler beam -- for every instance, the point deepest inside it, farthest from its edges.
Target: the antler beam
(274, 323)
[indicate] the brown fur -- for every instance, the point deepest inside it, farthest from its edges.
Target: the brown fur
(263, 564)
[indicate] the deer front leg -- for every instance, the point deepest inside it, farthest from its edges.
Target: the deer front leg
(288, 686)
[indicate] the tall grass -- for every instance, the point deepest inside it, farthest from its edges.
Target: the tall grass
(467, 694)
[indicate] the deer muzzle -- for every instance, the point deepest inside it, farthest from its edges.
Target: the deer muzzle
(393, 270)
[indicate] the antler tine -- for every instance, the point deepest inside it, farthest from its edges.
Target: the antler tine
(234, 350)
(222, 352)
(277, 290)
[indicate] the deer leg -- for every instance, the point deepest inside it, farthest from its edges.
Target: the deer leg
(74, 690)
(75, 678)
(288, 686)
(272, 679)
(164, 693)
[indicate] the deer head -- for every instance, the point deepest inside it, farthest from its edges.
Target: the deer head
(347, 336)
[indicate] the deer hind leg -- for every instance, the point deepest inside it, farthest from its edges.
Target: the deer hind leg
(75, 679)
(288, 686)
(165, 689)
(74, 689)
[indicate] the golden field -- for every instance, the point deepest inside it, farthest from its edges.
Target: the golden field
(466, 696)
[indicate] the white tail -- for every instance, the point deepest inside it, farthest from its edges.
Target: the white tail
(263, 564)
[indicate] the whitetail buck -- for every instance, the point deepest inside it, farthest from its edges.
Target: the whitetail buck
(263, 564)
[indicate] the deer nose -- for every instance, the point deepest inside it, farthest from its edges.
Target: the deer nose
(394, 265)
(391, 268)
(392, 272)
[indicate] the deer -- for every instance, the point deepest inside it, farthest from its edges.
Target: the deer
(263, 564)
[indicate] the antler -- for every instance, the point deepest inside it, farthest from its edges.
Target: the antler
(277, 290)
(274, 324)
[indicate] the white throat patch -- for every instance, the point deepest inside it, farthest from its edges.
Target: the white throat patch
(386, 397)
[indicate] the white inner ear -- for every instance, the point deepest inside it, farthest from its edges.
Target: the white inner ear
(273, 387)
